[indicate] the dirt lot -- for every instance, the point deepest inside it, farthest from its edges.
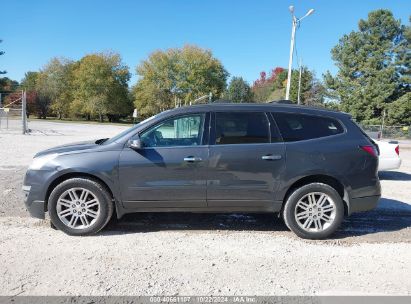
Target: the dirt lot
(192, 254)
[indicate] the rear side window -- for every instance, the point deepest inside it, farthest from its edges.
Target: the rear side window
(241, 128)
(295, 127)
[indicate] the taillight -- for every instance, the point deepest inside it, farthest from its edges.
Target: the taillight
(370, 150)
(397, 150)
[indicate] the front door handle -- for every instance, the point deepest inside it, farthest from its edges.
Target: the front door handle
(192, 159)
(271, 157)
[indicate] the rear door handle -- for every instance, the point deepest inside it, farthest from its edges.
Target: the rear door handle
(271, 157)
(192, 159)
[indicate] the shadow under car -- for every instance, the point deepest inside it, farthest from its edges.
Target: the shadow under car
(390, 215)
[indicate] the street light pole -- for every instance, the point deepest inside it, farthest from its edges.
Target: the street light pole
(296, 22)
(290, 61)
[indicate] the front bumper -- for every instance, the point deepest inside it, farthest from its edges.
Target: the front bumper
(366, 203)
(36, 208)
(34, 188)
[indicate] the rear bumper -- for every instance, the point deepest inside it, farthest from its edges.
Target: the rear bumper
(366, 203)
(389, 163)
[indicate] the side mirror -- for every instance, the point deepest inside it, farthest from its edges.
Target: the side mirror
(135, 144)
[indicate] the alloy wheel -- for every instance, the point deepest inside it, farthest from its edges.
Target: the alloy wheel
(78, 208)
(315, 212)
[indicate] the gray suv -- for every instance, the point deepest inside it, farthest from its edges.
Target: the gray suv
(311, 166)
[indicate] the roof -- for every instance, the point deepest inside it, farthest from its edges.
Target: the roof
(281, 106)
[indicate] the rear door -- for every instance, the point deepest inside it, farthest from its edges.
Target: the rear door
(247, 158)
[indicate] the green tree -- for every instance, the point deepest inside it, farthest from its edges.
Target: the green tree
(9, 87)
(311, 92)
(316, 95)
(101, 86)
(403, 60)
(399, 112)
(29, 83)
(239, 90)
(262, 93)
(58, 75)
(7, 84)
(43, 96)
(373, 65)
(178, 75)
(50, 89)
(307, 78)
(281, 80)
(264, 88)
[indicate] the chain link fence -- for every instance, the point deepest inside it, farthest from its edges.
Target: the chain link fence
(13, 113)
(10, 119)
(391, 132)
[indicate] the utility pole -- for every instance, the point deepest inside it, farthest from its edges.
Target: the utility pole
(382, 125)
(290, 60)
(23, 112)
(296, 23)
(299, 82)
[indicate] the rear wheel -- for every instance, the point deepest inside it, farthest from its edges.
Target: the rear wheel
(314, 211)
(80, 206)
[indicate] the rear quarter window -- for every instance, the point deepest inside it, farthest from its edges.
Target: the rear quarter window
(296, 127)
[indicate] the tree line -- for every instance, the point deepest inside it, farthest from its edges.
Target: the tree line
(94, 87)
(373, 80)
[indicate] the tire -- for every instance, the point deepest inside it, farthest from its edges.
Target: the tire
(80, 206)
(320, 211)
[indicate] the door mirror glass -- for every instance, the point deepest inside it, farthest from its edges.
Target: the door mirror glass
(135, 143)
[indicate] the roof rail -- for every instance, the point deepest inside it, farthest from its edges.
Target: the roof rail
(222, 101)
(283, 101)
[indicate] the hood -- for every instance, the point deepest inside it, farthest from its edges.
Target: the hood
(78, 146)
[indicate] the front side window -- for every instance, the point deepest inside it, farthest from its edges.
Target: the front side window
(296, 127)
(177, 131)
(241, 128)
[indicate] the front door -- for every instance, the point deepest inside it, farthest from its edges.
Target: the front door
(246, 161)
(170, 170)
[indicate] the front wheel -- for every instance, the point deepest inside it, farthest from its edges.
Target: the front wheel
(314, 211)
(80, 206)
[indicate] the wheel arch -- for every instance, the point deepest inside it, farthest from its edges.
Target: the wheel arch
(69, 175)
(320, 178)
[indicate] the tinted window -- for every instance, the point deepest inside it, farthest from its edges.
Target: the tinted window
(241, 128)
(294, 127)
(177, 131)
(275, 133)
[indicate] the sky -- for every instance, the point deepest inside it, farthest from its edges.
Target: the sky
(246, 36)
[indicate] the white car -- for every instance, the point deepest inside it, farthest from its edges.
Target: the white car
(389, 158)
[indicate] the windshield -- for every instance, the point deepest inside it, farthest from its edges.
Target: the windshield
(127, 131)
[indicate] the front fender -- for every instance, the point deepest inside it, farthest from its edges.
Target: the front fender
(100, 165)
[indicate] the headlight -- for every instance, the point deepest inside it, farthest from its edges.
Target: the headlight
(40, 161)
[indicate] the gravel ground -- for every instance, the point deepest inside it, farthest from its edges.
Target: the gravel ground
(192, 254)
